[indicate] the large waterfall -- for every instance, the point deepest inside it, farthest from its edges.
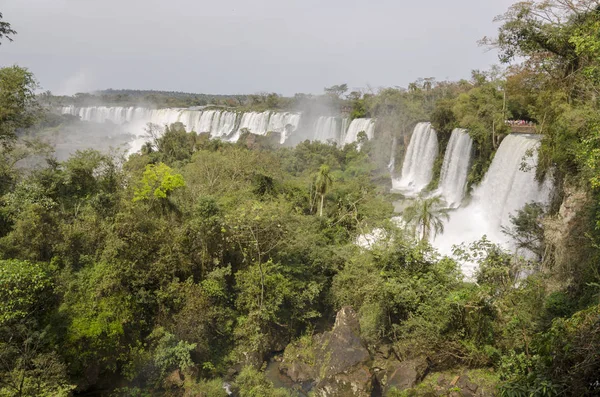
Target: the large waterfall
(219, 123)
(358, 125)
(508, 185)
(223, 124)
(417, 169)
(453, 177)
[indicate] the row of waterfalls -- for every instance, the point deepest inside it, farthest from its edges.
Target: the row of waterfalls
(225, 124)
(508, 185)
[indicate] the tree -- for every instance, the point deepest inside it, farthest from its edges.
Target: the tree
(336, 90)
(322, 184)
(527, 229)
(174, 144)
(158, 182)
(427, 215)
(18, 105)
(5, 30)
(28, 366)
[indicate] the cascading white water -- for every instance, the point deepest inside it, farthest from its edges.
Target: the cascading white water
(358, 125)
(219, 123)
(283, 123)
(327, 129)
(417, 168)
(508, 185)
(392, 163)
(453, 177)
(254, 122)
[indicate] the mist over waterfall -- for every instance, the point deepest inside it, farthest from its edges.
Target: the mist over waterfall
(219, 123)
(508, 185)
(453, 177)
(224, 124)
(358, 125)
(330, 129)
(417, 168)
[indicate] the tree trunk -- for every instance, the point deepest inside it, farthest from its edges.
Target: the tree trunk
(262, 285)
(322, 201)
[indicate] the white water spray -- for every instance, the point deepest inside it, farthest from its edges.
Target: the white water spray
(417, 168)
(453, 177)
(508, 185)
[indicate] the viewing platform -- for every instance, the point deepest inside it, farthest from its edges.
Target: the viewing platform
(522, 129)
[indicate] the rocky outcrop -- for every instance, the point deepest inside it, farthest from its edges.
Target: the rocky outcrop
(565, 233)
(461, 386)
(401, 375)
(336, 363)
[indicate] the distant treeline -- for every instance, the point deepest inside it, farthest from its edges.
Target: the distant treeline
(331, 102)
(149, 98)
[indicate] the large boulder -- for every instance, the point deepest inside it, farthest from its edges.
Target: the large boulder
(400, 375)
(336, 362)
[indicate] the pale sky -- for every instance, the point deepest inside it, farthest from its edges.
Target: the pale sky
(246, 46)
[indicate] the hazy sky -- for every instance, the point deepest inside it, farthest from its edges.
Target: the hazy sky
(246, 46)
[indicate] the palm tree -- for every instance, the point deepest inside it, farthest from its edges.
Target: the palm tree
(427, 215)
(322, 184)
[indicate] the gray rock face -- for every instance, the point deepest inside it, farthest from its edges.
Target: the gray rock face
(407, 374)
(401, 375)
(337, 362)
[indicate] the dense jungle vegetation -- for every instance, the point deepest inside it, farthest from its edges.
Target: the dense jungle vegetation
(204, 258)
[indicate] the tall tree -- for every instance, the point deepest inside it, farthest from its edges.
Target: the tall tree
(18, 105)
(427, 215)
(322, 185)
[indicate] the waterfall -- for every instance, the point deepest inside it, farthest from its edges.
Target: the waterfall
(508, 185)
(326, 129)
(219, 123)
(392, 163)
(222, 124)
(417, 168)
(283, 123)
(358, 125)
(453, 177)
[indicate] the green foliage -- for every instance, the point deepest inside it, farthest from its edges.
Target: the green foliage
(527, 230)
(158, 182)
(426, 215)
(173, 143)
(207, 388)
(100, 288)
(252, 383)
(18, 107)
(25, 290)
(170, 353)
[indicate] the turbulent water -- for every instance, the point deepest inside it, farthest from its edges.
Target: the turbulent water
(508, 185)
(417, 168)
(223, 124)
(453, 176)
